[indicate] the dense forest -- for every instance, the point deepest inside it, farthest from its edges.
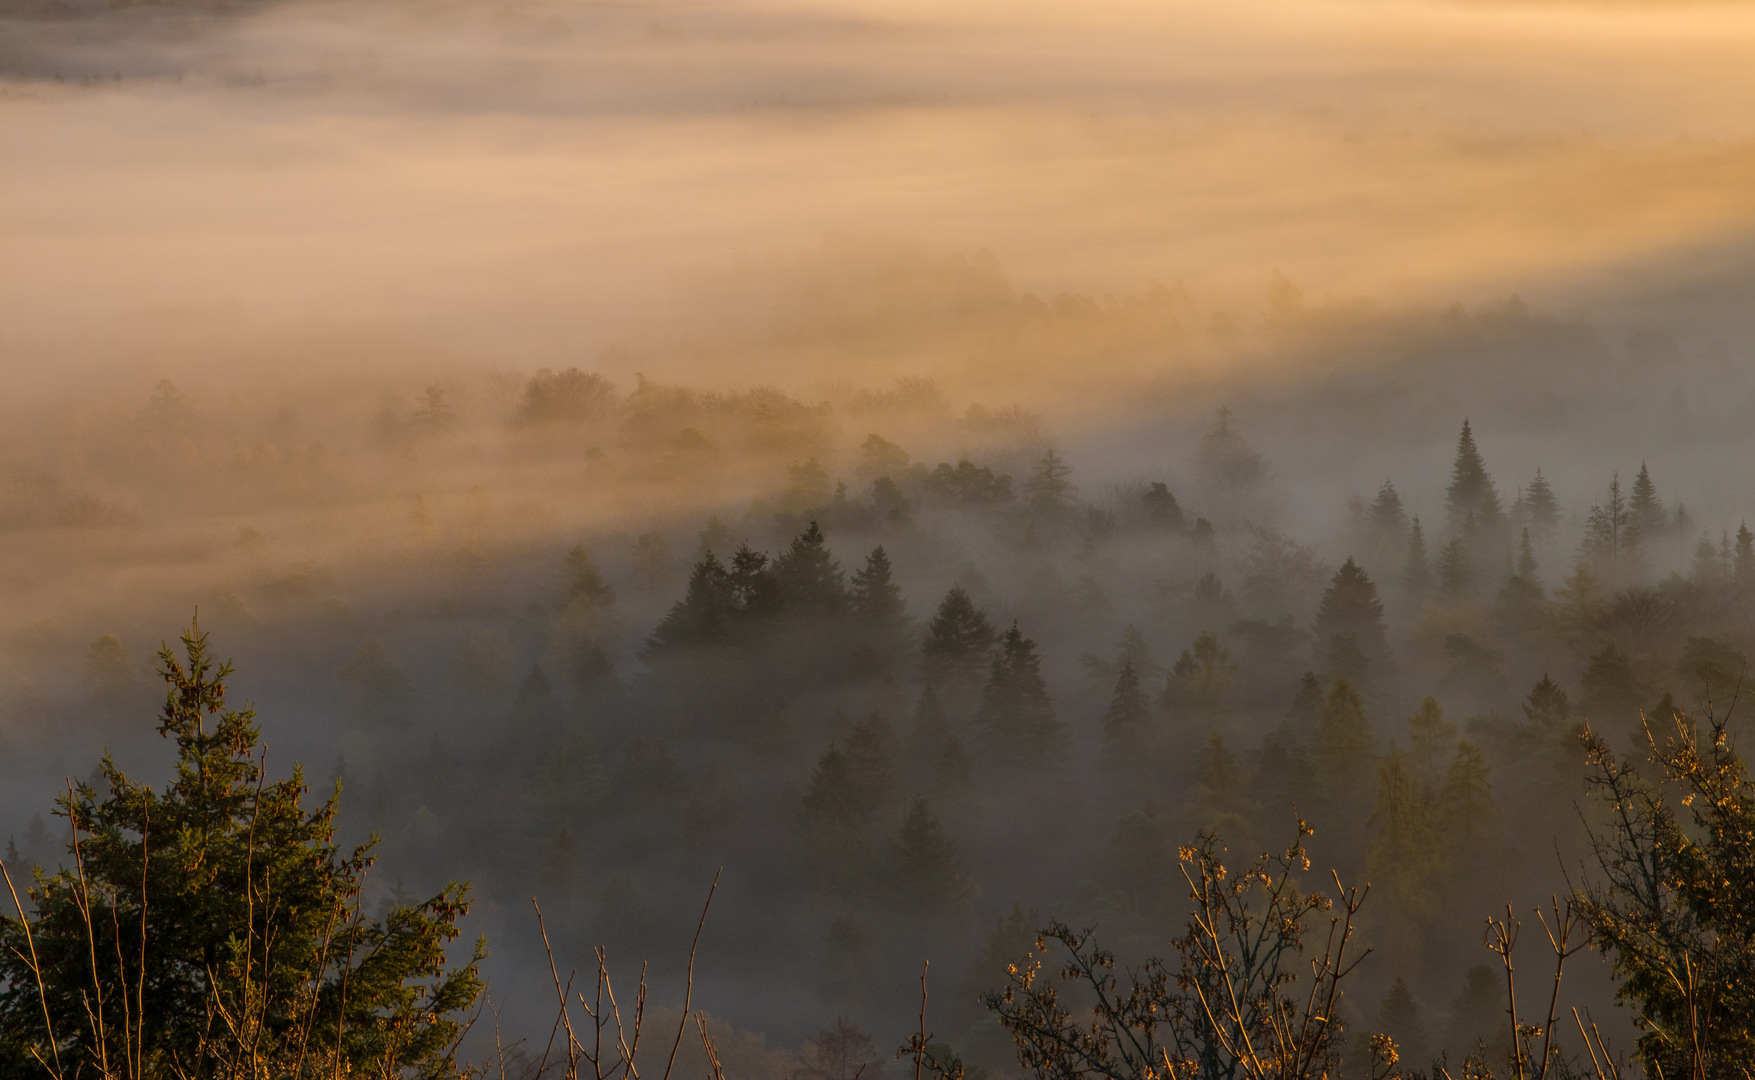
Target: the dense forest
(919, 710)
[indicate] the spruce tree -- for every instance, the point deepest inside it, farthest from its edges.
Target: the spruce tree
(1048, 487)
(810, 578)
(1547, 707)
(871, 754)
(1610, 541)
(1743, 562)
(1416, 576)
(1402, 1019)
(1646, 512)
(1225, 460)
(1526, 558)
(877, 604)
(1471, 490)
(1161, 508)
(939, 761)
(702, 617)
(1387, 517)
(1343, 753)
(833, 818)
(1541, 508)
(756, 592)
(1403, 859)
(958, 642)
(225, 896)
(1350, 606)
(1456, 576)
(1468, 817)
(1429, 734)
(925, 872)
(1016, 716)
(1199, 681)
(585, 582)
(1127, 724)
(1706, 571)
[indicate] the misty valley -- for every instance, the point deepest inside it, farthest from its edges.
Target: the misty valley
(988, 712)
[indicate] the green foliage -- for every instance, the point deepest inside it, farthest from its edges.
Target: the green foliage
(218, 924)
(1016, 716)
(958, 641)
(1350, 606)
(1673, 900)
(926, 874)
(1471, 490)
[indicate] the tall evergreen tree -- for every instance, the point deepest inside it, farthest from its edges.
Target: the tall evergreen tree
(1647, 517)
(1456, 575)
(1350, 606)
(756, 592)
(223, 897)
(1429, 734)
(1416, 577)
(926, 874)
(1743, 561)
(1611, 543)
(1127, 724)
(1526, 558)
(1547, 707)
(882, 617)
(939, 761)
(1468, 817)
(1048, 487)
(810, 578)
(959, 640)
(702, 617)
(871, 753)
(1403, 859)
(1161, 507)
(1199, 681)
(833, 817)
(1541, 508)
(1343, 754)
(1387, 517)
(1471, 490)
(1016, 715)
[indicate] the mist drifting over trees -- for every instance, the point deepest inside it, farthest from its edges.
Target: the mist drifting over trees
(1178, 519)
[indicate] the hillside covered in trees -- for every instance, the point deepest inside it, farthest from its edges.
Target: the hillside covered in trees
(922, 709)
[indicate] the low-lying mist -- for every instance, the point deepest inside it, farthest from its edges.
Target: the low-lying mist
(520, 394)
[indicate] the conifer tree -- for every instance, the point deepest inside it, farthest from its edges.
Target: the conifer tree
(584, 581)
(1613, 692)
(1127, 724)
(940, 761)
(1468, 816)
(1402, 1019)
(1610, 541)
(1343, 753)
(1225, 460)
(1048, 487)
(958, 642)
(1541, 508)
(1456, 576)
(1350, 606)
(810, 578)
(1547, 707)
(1429, 734)
(1646, 513)
(1526, 558)
(1219, 800)
(1199, 681)
(871, 765)
(225, 896)
(702, 617)
(1416, 576)
(756, 593)
(1706, 570)
(834, 824)
(877, 602)
(1471, 490)
(1387, 517)
(1016, 716)
(1743, 562)
(1301, 715)
(1403, 859)
(1161, 507)
(926, 874)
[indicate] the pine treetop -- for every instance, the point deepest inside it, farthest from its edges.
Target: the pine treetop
(1471, 490)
